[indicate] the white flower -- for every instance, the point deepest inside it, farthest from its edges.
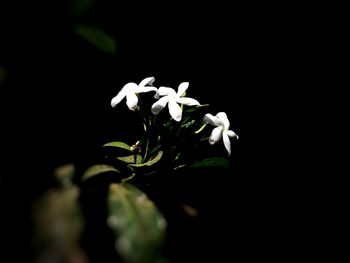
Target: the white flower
(222, 129)
(131, 89)
(172, 98)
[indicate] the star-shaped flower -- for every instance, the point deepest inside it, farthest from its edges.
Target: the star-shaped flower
(172, 98)
(222, 129)
(130, 91)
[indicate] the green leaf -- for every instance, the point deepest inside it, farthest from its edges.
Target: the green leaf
(211, 162)
(98, 169)
(79, 7)
(131, 159)
(96, 37)
(152, 161)
(121, 145)
(138, 224)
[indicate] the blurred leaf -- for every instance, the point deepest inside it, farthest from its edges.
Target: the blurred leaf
(131, 159)
(211, 162)
(151, 161)
(138, 225)
(121, 145)
(58, 224)
(79, 7)
(96, 37)
(64, 174)
(98, 169)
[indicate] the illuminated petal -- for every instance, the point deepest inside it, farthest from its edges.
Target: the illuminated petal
(182, 88)
(223, 117)
(227, 142)
(131, 100)
(146, 81)
(175, 110)
(208, 118)
(145, 89)
(163, 91)
(215, 135)
(187, 101)
(159, 105)
(122, 93)
(232, 134)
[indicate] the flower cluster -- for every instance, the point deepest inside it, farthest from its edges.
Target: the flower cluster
(168, 96)
(167, 149)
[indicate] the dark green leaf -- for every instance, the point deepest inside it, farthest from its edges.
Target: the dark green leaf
(98, 169)
(96, 37)
(121, 145)
(79, 7)
(211, 162)
(131, 159)
(151, 161)
(138, 225)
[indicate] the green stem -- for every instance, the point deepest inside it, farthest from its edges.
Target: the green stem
(141, 111)
(146, 151)
(201, 128)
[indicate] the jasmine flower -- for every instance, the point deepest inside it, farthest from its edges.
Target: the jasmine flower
(221, 131)
(172, 98)
(130, 91)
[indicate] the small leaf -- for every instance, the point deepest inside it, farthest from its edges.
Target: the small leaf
(151, 161)
(211, 162)
(131, 159)
(98, 169)
(138, 224)
(96, 37)
(121, 145)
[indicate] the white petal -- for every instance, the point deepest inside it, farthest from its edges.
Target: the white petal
(147, 81)
(122, 93)
(175, 110)
(223, 117)
(145, 89)
(182, 88)
(132, 100)
(159, 105)
(163, 91)
(232, 134)
(215, 135)
(187, 101)
(227, 142)
(208, 118)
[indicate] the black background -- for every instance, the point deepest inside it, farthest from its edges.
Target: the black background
(242, 59)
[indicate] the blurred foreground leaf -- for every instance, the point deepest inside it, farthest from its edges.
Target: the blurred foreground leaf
(138, 225)
(64, 174)
(96, 37)
(58, 224)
